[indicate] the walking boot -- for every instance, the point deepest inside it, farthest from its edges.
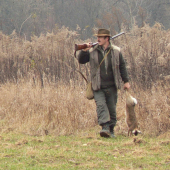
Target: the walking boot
(112, 131)
(105, 132)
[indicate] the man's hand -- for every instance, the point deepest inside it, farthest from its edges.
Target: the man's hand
(126, 86)
(88, 46)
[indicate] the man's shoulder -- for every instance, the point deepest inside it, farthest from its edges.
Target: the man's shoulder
(93, 48)
(114, 47)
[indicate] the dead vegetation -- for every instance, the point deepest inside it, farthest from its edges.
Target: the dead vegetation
(41, 92)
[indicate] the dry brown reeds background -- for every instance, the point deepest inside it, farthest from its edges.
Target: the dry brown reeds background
(42, 93)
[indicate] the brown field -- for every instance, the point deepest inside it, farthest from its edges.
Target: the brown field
(41, 92)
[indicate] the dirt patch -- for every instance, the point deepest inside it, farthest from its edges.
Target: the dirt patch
(139, 141)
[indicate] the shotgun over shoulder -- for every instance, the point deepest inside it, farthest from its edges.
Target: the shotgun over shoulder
(83, 46)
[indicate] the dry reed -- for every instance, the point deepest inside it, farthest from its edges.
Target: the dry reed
(51, 110)
(41, 92)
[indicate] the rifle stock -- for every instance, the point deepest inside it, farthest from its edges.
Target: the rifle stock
(80, 46)
(83, 46)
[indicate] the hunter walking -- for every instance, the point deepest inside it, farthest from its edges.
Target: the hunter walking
(107, 66)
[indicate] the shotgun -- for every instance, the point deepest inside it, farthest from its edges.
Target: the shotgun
(83, 46)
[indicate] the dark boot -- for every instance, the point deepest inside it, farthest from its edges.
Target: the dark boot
(112, 131)
(105, 132)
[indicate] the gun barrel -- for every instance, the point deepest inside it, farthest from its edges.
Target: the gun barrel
(116, 35)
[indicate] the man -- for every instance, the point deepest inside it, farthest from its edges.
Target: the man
(105, 78)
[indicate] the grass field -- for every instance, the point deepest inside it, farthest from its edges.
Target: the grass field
(46, 122)
(85, 150)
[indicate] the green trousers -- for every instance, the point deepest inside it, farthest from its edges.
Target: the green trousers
(106, 100)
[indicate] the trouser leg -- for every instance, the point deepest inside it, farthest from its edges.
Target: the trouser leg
(111, 101)
(101, 107)
(106, 100)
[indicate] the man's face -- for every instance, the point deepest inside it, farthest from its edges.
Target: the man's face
(102, 40)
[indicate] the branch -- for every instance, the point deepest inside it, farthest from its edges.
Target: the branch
(23, 23)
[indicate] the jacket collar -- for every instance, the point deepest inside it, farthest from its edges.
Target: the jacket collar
(99, 47)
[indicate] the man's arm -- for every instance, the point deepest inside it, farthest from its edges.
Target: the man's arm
(123, 72)
(83, 57)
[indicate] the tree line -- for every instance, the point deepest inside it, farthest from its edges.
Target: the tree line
(34, 17)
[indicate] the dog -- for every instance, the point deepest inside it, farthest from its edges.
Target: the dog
(131, 119)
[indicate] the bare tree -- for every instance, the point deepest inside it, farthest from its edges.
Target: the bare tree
(47, 15)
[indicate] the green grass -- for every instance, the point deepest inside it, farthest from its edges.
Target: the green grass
(83, 151)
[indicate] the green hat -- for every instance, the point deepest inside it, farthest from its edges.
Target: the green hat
(103, 32)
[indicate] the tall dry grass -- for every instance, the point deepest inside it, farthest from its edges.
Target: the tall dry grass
(41, 92)
(147, 51)
(57, 110)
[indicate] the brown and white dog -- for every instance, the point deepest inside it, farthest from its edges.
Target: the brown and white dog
(131, 119)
